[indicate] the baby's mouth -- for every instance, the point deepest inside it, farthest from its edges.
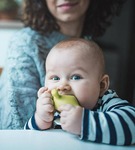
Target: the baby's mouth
(64, 93)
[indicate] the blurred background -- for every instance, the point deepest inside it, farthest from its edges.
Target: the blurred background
(10, 9)
(118, 44)
(10, 14)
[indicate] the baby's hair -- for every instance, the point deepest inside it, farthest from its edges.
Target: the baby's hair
(92, 48)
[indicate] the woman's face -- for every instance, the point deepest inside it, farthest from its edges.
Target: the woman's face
(68, 10)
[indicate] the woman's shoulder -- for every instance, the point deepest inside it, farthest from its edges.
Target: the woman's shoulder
(25, 34)
(31, 40)
(26, 30)
(29, 35)
(26, 39)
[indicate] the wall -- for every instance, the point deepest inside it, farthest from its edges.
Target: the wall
(117, 48)
(7, 30)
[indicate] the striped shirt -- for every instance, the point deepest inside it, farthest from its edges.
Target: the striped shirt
(112, 121)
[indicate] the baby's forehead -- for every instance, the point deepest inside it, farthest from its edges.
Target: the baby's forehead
(88, 51)
(79, 46)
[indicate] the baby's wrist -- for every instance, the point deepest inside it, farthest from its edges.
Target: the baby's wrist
(43, 125)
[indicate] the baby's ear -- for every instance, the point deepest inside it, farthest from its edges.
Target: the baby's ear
(104, 84)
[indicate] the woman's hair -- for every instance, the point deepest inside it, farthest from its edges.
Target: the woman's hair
(98, 17)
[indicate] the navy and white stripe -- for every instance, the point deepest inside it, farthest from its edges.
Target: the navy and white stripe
(31, 124)
(112, 121)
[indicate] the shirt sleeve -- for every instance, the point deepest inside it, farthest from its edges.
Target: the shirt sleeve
(31, 124)
(115, 125)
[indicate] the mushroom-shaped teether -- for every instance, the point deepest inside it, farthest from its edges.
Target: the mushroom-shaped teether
(63, 99)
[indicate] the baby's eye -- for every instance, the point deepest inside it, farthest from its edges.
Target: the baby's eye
(76, 77)
(55, 78)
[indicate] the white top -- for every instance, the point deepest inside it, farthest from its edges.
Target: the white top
(49, 140)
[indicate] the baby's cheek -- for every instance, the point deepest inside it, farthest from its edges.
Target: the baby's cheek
(82, 97)
(87, 99)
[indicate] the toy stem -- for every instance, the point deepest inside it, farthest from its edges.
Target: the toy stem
(55, 93)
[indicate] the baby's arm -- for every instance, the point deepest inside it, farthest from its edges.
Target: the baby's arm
(44, 115)
(115, 125)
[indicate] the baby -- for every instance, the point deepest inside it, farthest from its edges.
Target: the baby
(76, 67)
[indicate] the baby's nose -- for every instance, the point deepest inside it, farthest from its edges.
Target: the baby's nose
(64, 87)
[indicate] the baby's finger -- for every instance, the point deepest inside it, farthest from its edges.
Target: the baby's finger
(63, 114)
(45, 95)
(44, 101)
(65, 107)
(49, 108)
(62, 121)
(41, 90)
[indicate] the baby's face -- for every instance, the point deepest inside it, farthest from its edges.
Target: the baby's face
(73, 72)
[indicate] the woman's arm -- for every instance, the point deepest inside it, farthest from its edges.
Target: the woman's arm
(24, 73)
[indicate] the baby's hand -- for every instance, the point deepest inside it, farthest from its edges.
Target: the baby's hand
(44, 109)
(71, 118)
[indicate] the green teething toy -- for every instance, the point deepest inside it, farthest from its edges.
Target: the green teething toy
(63, 99)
